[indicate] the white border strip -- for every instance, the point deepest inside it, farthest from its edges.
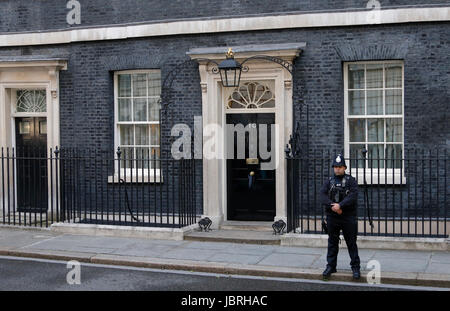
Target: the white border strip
(306, 20)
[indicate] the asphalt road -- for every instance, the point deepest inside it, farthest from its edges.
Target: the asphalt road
(18, 274)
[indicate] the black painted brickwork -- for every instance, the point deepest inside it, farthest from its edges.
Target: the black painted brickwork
(25, 15)
(87, 86)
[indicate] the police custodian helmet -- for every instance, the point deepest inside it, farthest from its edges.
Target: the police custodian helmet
(339, 161)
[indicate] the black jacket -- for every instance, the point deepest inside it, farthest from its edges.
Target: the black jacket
(349, 204)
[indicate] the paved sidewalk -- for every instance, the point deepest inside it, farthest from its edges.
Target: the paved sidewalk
(425, 268)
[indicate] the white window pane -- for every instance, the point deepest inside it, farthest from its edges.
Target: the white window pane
(356, 76)
(264, 98)
(375, 156)
(375, 130)
(140, 109)
(124, 85)
(394, 156)
(139, 85)
(154, 84)
(124, 109)
(24, 127)
(356, 102)
(142, 137)
(153, 109)
(375, 102)
(393, 101)
(357, 130)
(393, 75)
(126, 135)
(154, 138)
(394, 130)
(374, 77)
(356, 156)
(43, 127)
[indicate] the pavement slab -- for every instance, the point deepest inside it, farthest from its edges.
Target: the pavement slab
(209, 245)
(289, 260)
(17, 238)
(443, 257)
(189, 254)
(299, 250)
(438, 268)
(236, 258)
(248, 251)
(403, 265)
(404, 254)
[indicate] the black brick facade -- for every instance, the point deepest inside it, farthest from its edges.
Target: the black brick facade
(86, 87)
(24, 15)
(87, 100)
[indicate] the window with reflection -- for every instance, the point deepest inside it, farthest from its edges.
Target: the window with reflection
(137, 96)
(374, 113)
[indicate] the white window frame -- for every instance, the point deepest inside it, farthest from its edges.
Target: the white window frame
(386, 175)
(134, 175)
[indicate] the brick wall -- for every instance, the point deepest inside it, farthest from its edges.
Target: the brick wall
(25, 15)
(87, 86)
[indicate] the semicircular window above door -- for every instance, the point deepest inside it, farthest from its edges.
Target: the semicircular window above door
(31, 101)
(251, 95)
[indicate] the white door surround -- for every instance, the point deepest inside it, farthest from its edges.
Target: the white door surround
(32, 73)
(214, 112)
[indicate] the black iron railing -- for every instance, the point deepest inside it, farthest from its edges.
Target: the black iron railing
(403, 194)
(41, 187)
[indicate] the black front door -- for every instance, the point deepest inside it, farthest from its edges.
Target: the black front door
(31, 164)
(250, 189)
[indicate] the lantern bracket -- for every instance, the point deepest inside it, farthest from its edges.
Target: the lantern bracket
(285, 64)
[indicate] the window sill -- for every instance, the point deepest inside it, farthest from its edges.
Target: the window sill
(384, 179)
(139, 179)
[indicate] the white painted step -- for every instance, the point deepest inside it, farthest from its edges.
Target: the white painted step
(263, 226)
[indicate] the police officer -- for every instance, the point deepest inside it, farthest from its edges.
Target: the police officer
(339, 194)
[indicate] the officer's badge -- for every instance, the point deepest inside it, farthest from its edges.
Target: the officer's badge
(338, 159)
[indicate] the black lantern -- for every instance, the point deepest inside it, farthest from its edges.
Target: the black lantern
(230, 71)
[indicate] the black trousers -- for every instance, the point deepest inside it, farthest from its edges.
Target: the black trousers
(349, 227)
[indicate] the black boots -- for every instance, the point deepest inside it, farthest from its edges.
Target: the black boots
(356, 273)
(328, 271)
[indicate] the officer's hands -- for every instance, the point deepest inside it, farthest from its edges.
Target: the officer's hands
(335, 207)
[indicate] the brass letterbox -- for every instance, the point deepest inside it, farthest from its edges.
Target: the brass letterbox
(252, 161)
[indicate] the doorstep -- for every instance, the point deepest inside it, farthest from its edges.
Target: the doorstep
(235, 236)
(246, 232)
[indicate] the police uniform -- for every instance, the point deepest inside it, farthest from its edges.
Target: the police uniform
(343, 190)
